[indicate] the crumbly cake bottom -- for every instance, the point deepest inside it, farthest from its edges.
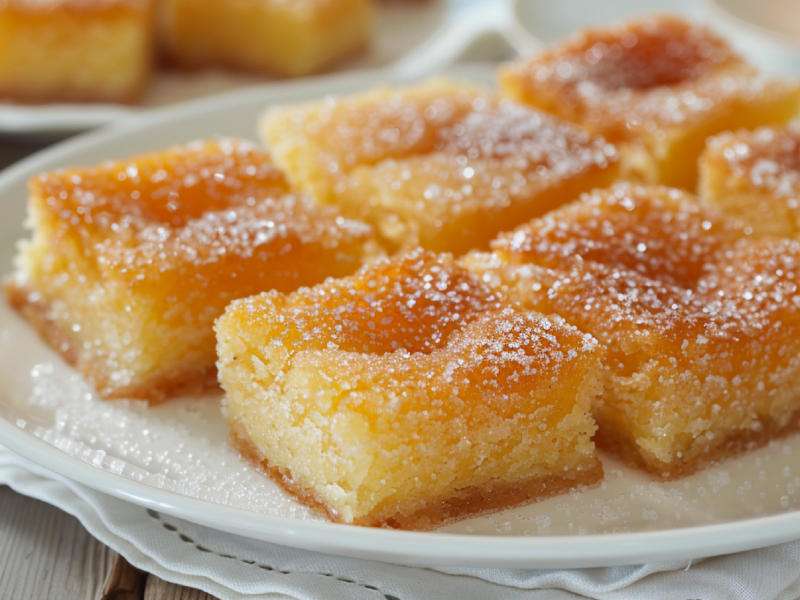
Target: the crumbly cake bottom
(626, 450)
(178, 381)
(468, 502)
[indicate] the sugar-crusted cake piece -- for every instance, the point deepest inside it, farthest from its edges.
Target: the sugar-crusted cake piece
(408, 395)
(295, 37)
(131, 261)
(701, 323)
(657, 87)
(755, 175)
(441, 164)
(75, 50)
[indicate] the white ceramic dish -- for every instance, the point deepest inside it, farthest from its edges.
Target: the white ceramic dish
(767, 31)
(175, 459)
(544, 22)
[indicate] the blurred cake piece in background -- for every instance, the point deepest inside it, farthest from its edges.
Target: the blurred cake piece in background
(75, 50)
(285, 37)
(755, 175)
(657, 86)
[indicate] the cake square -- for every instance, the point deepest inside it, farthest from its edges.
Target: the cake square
(131, 261)
(408, 395)
(656, 86)
(755, 176)
(271, 36)
(442, 164)
(700, 322)
(75, 50)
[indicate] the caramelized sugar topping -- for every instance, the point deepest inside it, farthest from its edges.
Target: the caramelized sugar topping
(531, 140)
(636, 78)
(651, 52)
(412, 303)
(658, 232)
(754, 287)
(194, 203)
(168, 188)
(667, 266)
(491, 159)
(368, 128)
(768, 157)
(440, 116)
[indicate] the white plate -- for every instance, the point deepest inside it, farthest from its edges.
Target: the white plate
(174, 458)
(767, 31)
(400, 27)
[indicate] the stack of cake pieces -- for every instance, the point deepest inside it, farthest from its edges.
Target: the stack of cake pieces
(431, 302)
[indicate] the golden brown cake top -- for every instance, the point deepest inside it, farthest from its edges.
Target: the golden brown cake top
(366, 128)
(439, 116)
(626, 267)
(754, 285)
(659, 232)
(412, 302)
(637, 76)
(767, 158)
(748, 298)
(188, 204)
(415, 320)
(532, 140)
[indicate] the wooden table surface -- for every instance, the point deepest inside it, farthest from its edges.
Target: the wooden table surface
(47, 554)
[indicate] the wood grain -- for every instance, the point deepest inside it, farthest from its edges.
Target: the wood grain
(124, 582)
(158, 589)
(46, 553)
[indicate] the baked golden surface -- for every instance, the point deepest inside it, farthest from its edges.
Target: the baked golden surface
(296, 37)
(755, 176)
(701, 323)
(131, 261)
(444, 165)
(408, 395)
(657, 86)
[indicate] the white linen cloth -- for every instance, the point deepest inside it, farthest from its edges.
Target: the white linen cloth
(236, 568)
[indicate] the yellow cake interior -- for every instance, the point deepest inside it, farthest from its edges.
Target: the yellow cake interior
(99, 51)
(274, 36)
